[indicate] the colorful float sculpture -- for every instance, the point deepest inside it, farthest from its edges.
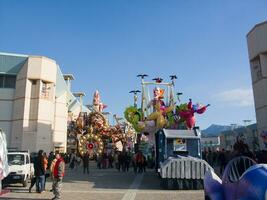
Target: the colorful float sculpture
(167, 129)
(97, 104)
(161, 111)
(93, 130)
(189, 114)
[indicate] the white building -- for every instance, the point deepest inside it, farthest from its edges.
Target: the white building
(257, 50)
(248, 133)
(34, 103)
(212, 143)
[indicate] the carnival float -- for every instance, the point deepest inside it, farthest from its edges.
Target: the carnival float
(93, 134)
(166, 128)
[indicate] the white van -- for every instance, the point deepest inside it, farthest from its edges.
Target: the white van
(21, 168)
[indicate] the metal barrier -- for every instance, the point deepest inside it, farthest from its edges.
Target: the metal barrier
(184, 168)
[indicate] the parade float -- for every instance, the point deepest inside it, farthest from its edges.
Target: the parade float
(95, 135)
(167, 126)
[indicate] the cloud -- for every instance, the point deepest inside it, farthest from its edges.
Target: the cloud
(236, 97)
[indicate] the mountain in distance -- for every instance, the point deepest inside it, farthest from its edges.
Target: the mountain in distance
(215, 130)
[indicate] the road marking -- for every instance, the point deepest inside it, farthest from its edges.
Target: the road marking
(131, 192)
(119, 191)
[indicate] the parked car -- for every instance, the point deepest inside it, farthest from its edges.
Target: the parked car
(21, 168)
(242, 179)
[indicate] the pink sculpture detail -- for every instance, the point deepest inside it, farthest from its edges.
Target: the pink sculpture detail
(98, 105)
(189, 114)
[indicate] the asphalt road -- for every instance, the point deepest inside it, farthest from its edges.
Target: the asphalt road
(106, 184)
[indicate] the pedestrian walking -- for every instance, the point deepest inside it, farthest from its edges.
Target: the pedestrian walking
(77, 162)
(45, 167)
(33, 182)
(33, 177)
(120, 161)
(127, 161)
(51, 157)
(86, 163)
(134, 163)
(72, 160)
(52, 166)
(58, 174)
(222, 161)
(110, 160)
(144, 163)
(140, 161)
(40, 172)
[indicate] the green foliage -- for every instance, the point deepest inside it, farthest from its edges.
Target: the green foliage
(133, 115)
(181, 107)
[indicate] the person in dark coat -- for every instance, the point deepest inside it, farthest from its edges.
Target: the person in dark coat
(86, 162)
(33, 178)
(222, 160)
(39, 169)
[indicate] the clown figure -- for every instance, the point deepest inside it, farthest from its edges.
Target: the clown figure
(158, 96)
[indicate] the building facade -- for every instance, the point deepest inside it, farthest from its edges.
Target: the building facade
(257, 50)
(35, 102)
(249, 134)
(210, 143)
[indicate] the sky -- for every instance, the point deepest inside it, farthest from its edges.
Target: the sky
(105, 44)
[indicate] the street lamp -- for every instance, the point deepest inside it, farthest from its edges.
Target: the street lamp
(135, 96)
(233, 126)
(246, 121)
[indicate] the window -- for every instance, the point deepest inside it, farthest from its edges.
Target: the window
(15, 159)
(256, 72)
(34, 82)
(7, 81)
(10, 81)
(1, 80)
(27, 159)
(45, 90)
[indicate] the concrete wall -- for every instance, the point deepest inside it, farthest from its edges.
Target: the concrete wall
(6, 109)
(61, 118)
(257, 49)
(256, 40)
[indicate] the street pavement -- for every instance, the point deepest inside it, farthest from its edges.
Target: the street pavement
(105, 184)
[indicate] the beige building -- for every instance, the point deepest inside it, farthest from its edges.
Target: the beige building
(257, 50)
(210, 143)
(34, 103)
(249, 134)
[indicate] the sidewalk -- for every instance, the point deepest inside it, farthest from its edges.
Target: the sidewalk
(105, 184)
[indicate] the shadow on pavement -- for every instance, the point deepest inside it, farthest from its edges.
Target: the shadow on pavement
(111, 178)
(12, 198)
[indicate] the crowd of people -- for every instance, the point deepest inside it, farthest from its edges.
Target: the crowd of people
(45, 166)
(219, 159)
(122, 161)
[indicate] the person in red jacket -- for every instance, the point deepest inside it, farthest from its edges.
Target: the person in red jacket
(58, 174)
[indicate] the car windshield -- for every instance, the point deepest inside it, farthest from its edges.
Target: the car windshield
(15, 159)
